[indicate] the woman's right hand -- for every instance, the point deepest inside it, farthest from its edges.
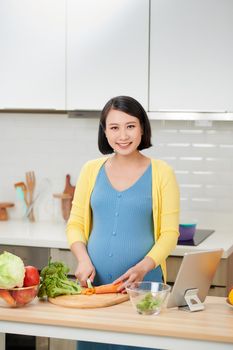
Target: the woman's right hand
(85, 270)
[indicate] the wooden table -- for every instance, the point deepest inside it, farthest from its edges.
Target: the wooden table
(120, 324)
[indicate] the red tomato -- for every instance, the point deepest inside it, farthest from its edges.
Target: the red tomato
(32, 276)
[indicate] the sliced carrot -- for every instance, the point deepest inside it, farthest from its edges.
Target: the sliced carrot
(4, 294)
(107, 288)
(88, 291)
(102, 289)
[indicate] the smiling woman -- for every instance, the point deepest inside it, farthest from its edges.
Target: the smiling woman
(125, 213)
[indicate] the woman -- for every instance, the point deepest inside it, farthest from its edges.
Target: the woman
(125, 213)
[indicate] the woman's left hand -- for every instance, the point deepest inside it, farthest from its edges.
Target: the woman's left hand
(136, 273)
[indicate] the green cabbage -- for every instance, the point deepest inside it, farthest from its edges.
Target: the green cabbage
(12, 270)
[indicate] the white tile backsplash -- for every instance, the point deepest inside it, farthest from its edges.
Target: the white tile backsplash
(55, 145)
(203, 162)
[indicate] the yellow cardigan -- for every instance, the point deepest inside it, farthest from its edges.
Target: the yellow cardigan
(165, 203)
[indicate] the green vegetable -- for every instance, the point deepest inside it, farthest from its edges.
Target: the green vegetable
(54, 281)
(148, 303)
(12, 270)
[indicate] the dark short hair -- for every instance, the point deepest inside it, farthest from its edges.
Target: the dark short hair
(132, 107)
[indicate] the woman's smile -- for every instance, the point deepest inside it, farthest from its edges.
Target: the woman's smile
(124, 145)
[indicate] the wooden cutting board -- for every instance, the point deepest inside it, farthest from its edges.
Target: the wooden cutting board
(81, 301)
(67, 203)
(69, 189)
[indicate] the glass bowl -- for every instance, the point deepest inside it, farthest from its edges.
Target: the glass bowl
(18, 297)
(148, 298)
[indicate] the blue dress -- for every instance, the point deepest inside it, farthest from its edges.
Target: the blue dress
(122, 234)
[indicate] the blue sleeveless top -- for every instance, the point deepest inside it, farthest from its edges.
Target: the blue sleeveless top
(122, 230)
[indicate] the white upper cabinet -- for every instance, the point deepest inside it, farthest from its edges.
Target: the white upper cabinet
(191, 55)
(32, 60)
(107, 51)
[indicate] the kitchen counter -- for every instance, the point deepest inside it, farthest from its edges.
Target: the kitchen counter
(170, 330)
(120, 324)
(52, 234)
(37, 234)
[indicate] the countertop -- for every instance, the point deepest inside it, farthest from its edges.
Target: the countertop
(52, 234)
(120, 324)
(36, 234)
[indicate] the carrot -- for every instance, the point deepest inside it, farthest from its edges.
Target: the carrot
(4, 294)
(107, 288)
(88, 291)
(103, 289)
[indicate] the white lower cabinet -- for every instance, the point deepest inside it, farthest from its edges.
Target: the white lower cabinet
(62, 344)
(42, 343)
(2, 341)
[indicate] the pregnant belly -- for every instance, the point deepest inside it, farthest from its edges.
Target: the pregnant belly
(113, 255)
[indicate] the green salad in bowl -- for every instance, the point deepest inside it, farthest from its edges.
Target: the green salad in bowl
(148, 297)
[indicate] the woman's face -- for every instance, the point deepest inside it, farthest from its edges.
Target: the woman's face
(123, 132)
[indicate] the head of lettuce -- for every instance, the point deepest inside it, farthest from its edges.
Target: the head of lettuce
(12, 271)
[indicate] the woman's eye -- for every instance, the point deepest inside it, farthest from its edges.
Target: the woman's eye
(113, 128)
(131, 126)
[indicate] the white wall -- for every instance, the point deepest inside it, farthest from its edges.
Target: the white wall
(55, 145)
(51, 145)
(203, 160)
